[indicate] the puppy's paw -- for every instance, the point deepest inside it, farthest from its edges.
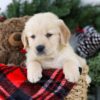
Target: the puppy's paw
(34, 71)
(72, 74)
(34, 77)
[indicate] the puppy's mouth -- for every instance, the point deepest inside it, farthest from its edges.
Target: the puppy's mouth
(41, 56)
(41, 53)
(45, 56)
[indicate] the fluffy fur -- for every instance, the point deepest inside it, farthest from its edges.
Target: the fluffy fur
(10, 41)
(48, 30)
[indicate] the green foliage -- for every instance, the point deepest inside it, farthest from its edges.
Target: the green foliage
(27, 8)
(90, 15)
(60, 8)
(13, 9)
(94, 65)
(69, 10)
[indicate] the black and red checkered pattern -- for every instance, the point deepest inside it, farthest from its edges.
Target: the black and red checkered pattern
(14, 85)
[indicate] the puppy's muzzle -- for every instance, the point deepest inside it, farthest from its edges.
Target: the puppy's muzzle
(40, 49)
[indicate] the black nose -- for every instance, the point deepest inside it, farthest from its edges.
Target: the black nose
(40, 48)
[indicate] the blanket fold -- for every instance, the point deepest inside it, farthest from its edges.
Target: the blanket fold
(14, 85)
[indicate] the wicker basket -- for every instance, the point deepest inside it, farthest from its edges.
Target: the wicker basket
(79, 91)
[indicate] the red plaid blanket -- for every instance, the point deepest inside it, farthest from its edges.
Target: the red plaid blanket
(14, 85)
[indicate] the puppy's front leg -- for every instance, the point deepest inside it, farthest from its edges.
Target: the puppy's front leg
(34, 71)
(72, 70)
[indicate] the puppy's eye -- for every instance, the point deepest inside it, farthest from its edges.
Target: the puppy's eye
(48, 35)
(33, 36)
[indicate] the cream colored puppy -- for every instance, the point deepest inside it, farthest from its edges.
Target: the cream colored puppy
(45, 37)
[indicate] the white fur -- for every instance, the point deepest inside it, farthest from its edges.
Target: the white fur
(57, 55)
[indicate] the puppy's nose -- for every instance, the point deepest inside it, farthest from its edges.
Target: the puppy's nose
(40, 48)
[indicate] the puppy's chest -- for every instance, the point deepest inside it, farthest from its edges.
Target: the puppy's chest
(53, 63)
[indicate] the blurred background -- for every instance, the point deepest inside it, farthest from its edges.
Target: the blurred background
(76, 14)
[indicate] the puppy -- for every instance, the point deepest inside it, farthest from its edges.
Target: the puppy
(46, 40)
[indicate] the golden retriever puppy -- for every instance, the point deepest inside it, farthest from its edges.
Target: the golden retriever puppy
(46, 40)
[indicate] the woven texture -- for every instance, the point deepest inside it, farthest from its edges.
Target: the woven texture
(79, 91)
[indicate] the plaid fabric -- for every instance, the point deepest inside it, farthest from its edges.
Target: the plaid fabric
(14, 85)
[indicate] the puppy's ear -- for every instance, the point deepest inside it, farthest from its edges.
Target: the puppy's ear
(24, 40)
(65, 32)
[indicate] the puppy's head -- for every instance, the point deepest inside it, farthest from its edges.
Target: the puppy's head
(44, 34)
